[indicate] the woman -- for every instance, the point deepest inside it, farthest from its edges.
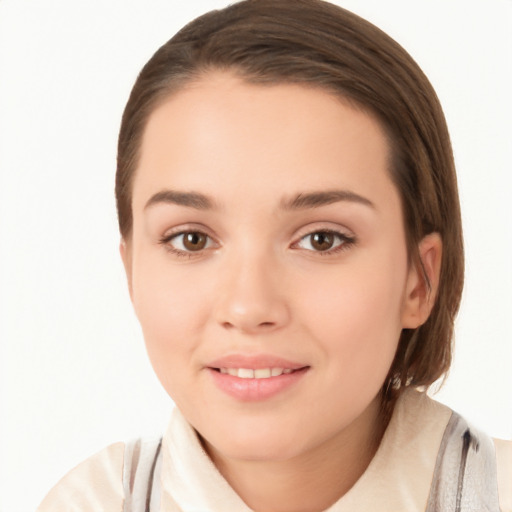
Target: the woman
(291, 236)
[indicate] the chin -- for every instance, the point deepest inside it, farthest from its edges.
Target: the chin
(255, 440)
(259, 449)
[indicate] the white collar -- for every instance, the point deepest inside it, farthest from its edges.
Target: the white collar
(398, 478)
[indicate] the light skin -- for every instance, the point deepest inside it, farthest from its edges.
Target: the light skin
(294, 247)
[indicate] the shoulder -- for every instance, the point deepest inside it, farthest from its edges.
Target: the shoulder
(504, 462)
(488, 456)
(485, 466)
(95, 484)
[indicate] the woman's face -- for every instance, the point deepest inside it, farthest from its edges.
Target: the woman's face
(268, 263)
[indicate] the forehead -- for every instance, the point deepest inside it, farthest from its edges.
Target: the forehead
(224, 132)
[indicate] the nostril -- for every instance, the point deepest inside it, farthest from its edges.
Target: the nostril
(261, 325)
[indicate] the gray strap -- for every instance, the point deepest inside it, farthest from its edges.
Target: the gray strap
(465, 477)
(141, 475)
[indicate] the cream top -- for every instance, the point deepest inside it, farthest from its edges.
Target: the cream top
(397, 480)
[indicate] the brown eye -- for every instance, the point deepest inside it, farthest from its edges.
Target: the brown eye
(327, 241)
(194, 241)
(322, 241)
(187, 242)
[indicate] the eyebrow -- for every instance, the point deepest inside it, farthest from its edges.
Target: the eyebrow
(189, 199)
(303, 201)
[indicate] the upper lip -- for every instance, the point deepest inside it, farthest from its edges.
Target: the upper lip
(254, 361)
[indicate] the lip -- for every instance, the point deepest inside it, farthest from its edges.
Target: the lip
(254, 361)
(253, 390)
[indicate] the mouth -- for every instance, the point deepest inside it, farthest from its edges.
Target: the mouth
(257, 373)
(256, 379)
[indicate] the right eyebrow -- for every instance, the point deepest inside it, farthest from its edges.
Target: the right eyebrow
(189, 199)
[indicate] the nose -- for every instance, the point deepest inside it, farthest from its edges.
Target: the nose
(252, 296)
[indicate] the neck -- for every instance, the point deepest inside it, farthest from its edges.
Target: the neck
(313, 480)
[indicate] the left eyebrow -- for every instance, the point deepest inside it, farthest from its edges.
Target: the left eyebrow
(303, 201)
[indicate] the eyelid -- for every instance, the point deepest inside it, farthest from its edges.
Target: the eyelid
(346, 236)
(188, 228)
(329, 227)
(180, 230)
(184, 233)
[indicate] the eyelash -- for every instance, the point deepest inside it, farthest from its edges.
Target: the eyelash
(166, 242)
(345, 242)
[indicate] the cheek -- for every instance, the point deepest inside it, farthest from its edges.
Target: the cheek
(355, 316)
(171, 313)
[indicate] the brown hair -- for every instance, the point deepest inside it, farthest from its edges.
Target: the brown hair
(318, 44)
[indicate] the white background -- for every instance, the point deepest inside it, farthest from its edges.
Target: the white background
(74, 374)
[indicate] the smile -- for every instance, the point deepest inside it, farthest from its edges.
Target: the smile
(260, 373)
(256, 384)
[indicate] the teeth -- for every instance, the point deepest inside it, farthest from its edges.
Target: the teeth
(260, 373)
(245, 373)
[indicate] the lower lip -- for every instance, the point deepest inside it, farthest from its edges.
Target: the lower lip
(252, 390)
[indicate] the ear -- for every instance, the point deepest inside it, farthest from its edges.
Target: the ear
(126, 255)
(420, 293)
